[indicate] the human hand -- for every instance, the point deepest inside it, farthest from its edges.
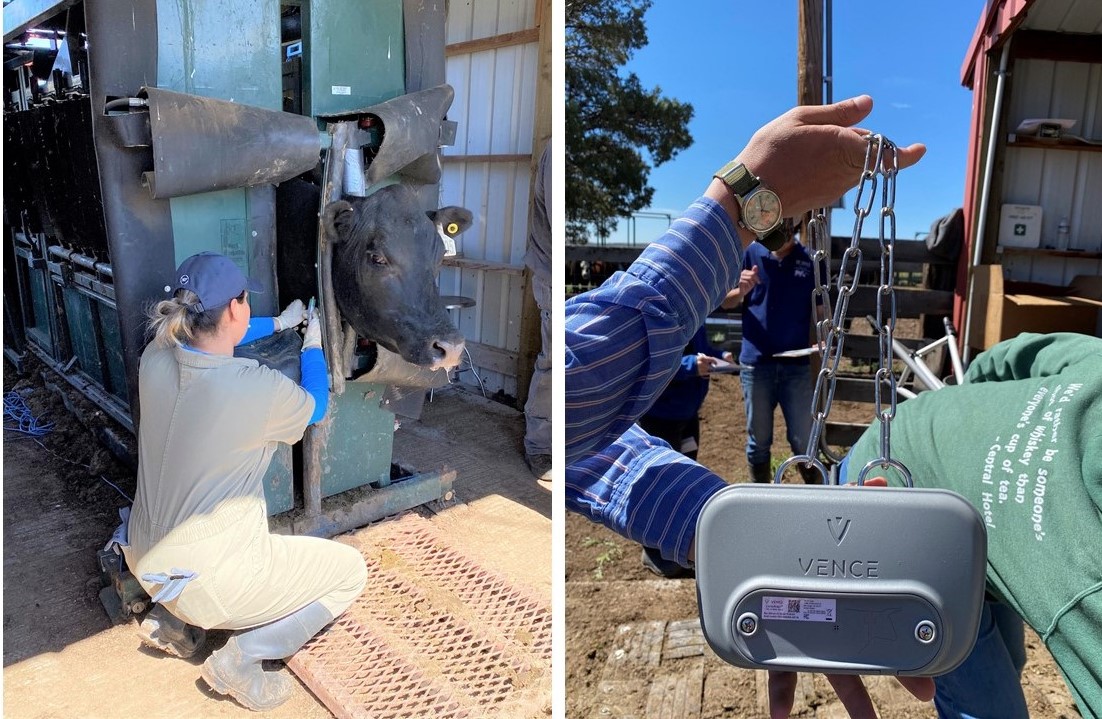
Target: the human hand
(704, 364)
(290, 317)
(850, 690)
(812, 154)
(729, 356)
(747, 280)
(311, 337)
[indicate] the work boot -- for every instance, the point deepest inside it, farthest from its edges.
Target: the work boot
(810, 474)
(653, 560)
(540, 465)
(761, 473)
(159, 629)
(236, 668)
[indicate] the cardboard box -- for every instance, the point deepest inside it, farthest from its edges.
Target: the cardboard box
(1005, 309)
(1020, 226)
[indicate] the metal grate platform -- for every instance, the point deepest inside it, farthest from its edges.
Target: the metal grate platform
(433, 634)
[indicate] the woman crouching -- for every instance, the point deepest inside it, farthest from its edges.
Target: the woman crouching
(198, 531)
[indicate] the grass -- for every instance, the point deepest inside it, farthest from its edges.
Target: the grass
(612, 553)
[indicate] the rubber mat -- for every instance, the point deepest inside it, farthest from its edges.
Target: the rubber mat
(433, 635)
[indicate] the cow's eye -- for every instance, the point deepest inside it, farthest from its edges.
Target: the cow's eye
(378, 260)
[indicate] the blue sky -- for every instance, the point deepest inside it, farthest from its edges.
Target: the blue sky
(735, 61)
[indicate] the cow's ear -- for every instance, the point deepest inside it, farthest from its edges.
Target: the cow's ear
(452, 219)
(336, 218)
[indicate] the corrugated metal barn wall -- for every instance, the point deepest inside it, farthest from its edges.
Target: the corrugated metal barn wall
(494, 58)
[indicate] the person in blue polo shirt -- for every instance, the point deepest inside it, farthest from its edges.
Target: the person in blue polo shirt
(775, 291)
(675, 415)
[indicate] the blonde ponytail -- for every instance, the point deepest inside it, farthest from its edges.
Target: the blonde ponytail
(172, 322)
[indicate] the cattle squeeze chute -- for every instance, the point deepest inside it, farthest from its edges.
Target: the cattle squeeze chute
(139, 132)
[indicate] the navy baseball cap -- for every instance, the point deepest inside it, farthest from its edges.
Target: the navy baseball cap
(215, 278)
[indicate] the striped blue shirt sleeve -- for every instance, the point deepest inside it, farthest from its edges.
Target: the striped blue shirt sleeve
(624, 341)
(641, 488)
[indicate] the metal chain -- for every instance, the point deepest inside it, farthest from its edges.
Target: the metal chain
(881, 164)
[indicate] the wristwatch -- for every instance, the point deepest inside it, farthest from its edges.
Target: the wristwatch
(761, 208)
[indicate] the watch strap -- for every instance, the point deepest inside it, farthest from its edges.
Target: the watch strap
(774, 239)
(738, 178)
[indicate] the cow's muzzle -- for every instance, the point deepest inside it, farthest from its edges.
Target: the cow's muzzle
(446, 353)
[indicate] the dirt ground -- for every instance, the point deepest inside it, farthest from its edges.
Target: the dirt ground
(63, 657)
(609, 596)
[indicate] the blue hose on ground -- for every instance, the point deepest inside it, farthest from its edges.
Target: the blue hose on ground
(17, 411)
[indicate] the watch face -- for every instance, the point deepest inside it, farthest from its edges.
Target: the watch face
(761, 211)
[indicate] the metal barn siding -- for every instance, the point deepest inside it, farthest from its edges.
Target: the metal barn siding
(1065, 183)
(493, 61)
(1053, 55)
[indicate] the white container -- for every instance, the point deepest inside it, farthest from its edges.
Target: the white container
(1020, 226)
(1063, 238)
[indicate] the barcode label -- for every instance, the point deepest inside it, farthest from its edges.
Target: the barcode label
(799, 609)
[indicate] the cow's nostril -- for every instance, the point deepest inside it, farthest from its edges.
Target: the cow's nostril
(447, 354)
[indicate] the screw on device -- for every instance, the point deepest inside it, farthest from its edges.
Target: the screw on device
(747, 624)
(925, 631)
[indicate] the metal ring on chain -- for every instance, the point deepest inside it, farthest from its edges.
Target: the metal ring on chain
(899, 466)
(803, 459)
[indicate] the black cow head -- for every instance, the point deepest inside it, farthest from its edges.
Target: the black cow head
(385, 257)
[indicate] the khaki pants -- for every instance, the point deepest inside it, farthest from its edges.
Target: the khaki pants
(246, 576)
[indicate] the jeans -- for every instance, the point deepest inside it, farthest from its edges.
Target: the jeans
(987, 684)
(766, 385)
(681, 434)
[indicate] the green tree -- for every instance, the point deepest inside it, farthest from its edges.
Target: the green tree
(611, 118)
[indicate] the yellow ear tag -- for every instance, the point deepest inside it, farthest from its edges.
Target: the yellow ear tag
(452, 228)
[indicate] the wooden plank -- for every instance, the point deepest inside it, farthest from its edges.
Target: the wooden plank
(851, 388)
(679, 695)
(904, 250)
(451, 159)
(809, 53)
(870, 267)
(601, 253)
(520, 37)
(684, 639)
(854, 389)
(638, 645)
(621, 699)
(467, 263)
(868, 346)
(492, 358)
(909, 302)
(908, 253)
(843, 434)
(1056, 46)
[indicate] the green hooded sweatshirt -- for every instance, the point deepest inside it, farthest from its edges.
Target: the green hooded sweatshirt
(1021, 440)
